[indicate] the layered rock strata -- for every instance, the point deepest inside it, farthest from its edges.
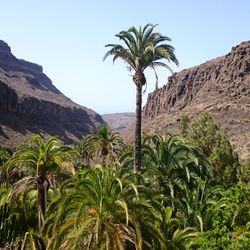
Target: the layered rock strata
(31, 104)
(220, 87)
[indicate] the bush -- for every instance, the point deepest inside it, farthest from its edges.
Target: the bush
(214, 143)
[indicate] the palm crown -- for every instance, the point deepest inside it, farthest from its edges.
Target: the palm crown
(102, 143)
(39, 159)
(143, 48)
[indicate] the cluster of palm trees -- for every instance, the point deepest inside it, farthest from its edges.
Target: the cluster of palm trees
(87, 195)
(160, 193)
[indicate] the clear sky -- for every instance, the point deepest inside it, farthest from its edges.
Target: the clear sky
(67, 37)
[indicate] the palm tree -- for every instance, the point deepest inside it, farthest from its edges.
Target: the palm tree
(102, 143)
(39, 160)
(100, 209)
(175, 237)
(175, 157)
(168, 162)
(199, 205)
(143, 49)
(18, 219)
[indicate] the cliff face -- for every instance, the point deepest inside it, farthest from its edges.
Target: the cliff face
(30, 103)
(220, 87)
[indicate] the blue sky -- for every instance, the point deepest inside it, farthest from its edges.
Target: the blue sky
(68, 37)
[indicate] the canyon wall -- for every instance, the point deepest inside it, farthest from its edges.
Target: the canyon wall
(31, 104)
(220, 86)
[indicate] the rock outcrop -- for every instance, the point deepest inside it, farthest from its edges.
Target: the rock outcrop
(30, 103)
(220, 87)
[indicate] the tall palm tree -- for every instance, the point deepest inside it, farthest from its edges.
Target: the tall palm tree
(143, 49)
(39, 159)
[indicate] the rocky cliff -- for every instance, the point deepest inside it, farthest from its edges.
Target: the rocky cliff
(30, 103)
(220, 87)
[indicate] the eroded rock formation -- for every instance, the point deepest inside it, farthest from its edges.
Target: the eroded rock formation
(220, 87)
(30, 103)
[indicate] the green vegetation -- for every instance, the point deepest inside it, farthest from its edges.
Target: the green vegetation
(213, 142)
(191, 192)
(168, 192)
(36, 161)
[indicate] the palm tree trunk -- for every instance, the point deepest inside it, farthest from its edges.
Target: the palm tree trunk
(137, 159)
(41, 199)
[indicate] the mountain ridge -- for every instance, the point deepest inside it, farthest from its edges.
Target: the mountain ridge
(30, 103)
(119, 121)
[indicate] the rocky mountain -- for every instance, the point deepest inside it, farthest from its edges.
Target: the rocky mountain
(119, 121)
(220, 87)
(31, 104)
